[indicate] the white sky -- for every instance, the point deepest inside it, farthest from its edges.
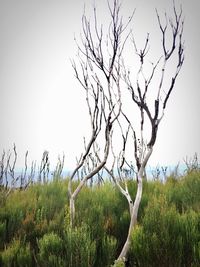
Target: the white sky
(42, 106)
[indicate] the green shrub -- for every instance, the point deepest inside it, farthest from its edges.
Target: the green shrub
(51, 250)
(24, 257)
(36, 221)
(79, 247)
(9, 255)
(166, 238)
(158, 241)
(100, 208)
(16, 255)
(184, 192)
(190, 232)
(2, 234)
(118, 263)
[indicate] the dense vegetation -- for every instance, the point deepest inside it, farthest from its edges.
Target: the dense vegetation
(35, 229)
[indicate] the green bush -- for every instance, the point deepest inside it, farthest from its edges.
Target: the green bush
(79, 247)
(16, 255)
(51, 250)
(9, 255)
(24, 257)
(2, 234)
(184, 192)
(190, 232)
(119, 263)
(35, 228)
(165, 237)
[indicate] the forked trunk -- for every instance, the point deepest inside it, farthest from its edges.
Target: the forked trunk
(133, 220)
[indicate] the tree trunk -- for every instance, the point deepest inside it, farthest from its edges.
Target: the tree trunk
(72, 210)
(74, 195)
(134, 211)
(125, 249)
(72, 200)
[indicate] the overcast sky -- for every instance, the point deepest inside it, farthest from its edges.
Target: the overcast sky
(42, 106)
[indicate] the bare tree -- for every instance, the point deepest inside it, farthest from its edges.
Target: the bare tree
(2, 168)
(99, 74)
(192, 164)
(31, 175)
(8, 178)
(139, 91)
(23, 175)
(10, 170)
(159, 173)
(44, 168)
(59, 167)
(102, 58)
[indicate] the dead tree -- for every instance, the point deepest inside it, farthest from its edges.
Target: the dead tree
(192, 164)
(2, 168)
(103, 59)
(31, 175)
(10, 171)
(23, 182)
(151, 112)
(99, 74)
(44, 168)
(159, 173)
(8, 177)
(59, 167)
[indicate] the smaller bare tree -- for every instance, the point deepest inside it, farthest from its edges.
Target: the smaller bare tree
(2, 168)
(44, 168)
(59, 167)
(10, 171)
(192, 164)
(100, 68)
(23, 175)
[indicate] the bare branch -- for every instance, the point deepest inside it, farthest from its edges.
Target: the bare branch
(176, 28)
(23, 175)
(2, 168)
(44, 168)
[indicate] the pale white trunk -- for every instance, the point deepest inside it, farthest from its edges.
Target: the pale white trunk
(74, 195)
(134, 210)
(134, 213)
(71, 210)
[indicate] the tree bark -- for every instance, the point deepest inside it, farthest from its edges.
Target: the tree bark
(72, 210)
(134, 212)
(81, 185)
(74, 195)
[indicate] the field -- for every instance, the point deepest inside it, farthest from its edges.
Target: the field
(35, 227)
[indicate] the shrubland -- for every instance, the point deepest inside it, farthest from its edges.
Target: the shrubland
(69, 223)
(35, 225)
